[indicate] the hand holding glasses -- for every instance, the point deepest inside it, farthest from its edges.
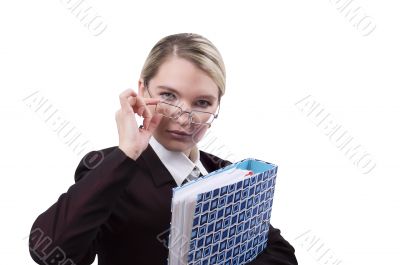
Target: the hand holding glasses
(133, 141)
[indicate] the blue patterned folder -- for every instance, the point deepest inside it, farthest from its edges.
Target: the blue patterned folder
(223, 217)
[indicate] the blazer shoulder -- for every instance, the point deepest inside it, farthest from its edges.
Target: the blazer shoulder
(212, 162)
(91, 160)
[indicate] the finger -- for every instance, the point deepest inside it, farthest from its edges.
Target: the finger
(148, 102)
(140, 108)
(123, 97)
(128, 92)
(143, 111)
(127, 105)
(147, 116)
(151, 101)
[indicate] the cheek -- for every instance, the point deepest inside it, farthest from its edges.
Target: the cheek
(163, 123)
(199, 133)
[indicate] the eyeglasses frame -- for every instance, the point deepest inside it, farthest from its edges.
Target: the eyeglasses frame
(184, 111)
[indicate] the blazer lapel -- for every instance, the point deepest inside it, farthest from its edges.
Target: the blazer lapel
(156, 168)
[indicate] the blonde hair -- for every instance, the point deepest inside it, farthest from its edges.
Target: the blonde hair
(192, 47)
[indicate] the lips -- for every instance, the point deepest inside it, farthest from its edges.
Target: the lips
(182, 133)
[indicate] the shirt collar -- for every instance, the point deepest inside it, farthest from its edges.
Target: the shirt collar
(177, 163)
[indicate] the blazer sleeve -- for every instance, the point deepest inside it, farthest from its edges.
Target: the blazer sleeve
(278, 251)
(69, 229)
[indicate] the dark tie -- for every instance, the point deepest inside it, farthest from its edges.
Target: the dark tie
(193, 175)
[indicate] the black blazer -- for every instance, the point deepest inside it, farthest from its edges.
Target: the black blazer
(120, 209)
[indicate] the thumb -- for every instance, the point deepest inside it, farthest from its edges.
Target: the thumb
(154, 122)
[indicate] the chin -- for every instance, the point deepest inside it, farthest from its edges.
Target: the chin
(177, 146)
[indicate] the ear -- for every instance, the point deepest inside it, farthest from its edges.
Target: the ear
(141, 88)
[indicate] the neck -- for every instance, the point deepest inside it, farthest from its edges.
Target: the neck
(187, 152)
(192, 154)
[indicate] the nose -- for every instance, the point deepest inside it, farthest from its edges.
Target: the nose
(184, 119)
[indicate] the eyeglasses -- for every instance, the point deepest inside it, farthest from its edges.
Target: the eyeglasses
(174, 112)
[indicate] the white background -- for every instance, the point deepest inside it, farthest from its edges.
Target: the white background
(276, 53)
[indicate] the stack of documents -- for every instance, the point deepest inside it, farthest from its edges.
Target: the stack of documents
(223, 216)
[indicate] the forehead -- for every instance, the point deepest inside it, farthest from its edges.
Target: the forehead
(185, 77)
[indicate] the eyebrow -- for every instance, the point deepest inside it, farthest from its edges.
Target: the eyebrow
(175, 91)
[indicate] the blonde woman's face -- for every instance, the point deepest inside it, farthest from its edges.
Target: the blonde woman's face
(181, 83)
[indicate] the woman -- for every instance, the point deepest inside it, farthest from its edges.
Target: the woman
(120, 205)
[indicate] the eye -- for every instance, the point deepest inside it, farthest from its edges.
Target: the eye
(167, 96)
(203, 103)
